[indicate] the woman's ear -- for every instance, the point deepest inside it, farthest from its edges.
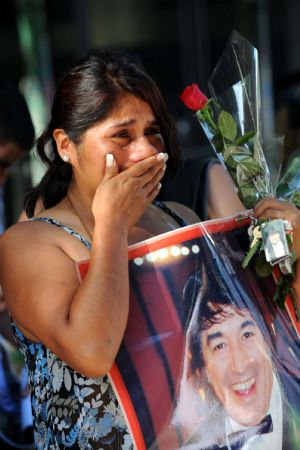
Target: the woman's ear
(64, 144)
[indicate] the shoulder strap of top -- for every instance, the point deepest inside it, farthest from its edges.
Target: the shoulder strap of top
(65, 228)
(85, 242)
(171, 213)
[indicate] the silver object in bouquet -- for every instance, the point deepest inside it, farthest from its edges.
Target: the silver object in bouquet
(275, 244)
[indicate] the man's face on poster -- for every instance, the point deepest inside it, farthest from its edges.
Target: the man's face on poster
(238, 366)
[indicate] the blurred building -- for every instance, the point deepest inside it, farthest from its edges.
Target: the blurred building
(177, 41)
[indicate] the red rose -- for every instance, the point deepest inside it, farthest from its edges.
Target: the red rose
(193, 98)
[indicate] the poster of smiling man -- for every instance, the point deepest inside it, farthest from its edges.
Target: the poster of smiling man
(208, 361)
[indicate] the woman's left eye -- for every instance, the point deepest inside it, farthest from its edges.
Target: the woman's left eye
(121, 135)
(152, 131)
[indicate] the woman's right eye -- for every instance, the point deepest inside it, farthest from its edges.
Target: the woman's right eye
(121, 135)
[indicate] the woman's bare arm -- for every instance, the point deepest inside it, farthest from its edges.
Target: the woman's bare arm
(83, 324)
(222, 197)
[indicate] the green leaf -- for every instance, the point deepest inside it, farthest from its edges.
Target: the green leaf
(283, 190)
(227, 125)
(206, 116)
(295, 198)
(248, 196)
(217, 141)
(251, 144)
(262, 267)
(245, 137)
(232, 173)
(209, 111)
(249, 166)
(250, 254)
(282, 289)
(233, 154)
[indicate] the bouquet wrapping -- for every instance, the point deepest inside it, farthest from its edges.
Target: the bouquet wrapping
(231, 120)
(289, 184)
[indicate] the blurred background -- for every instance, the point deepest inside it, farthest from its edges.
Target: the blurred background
(177, 41)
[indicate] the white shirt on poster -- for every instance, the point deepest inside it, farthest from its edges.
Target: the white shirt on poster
(272, 440)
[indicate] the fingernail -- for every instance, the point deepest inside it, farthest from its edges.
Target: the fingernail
(160, 156)
(159, 186)
(164, 168)
(109, 160)
(166, 156)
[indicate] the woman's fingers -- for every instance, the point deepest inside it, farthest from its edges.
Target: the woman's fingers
(269, 203)
(154, 181)
(111, 167)
(147, 168)
(154, 193)
(148, 180)
(128, 193)
(270, 208)
(276, 209)
(272, 213)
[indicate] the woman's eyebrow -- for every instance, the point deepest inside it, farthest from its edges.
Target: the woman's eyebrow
(125, 123)
(129, 122)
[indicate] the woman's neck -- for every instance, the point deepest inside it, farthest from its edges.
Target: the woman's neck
(153, 222)
(80, 205)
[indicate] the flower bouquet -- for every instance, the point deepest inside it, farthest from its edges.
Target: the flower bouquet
(288, 187)
(232, 124)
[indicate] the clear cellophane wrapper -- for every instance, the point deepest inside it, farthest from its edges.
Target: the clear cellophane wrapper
(236, 111)
(208, 361)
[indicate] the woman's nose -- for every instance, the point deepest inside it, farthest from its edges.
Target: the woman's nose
(140, 149)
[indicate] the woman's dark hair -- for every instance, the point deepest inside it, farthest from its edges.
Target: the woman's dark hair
(87, 94)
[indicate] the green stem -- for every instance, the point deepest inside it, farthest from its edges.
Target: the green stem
(251, 253)
(205, 116)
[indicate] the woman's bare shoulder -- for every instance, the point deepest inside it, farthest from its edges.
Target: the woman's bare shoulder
(35, 237)
(187, 214)
(20, 231)
(25, 232)
(25, 242)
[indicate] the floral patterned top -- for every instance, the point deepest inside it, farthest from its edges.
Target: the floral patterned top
(70, 410)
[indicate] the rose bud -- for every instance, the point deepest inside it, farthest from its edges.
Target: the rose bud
(193, 98)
